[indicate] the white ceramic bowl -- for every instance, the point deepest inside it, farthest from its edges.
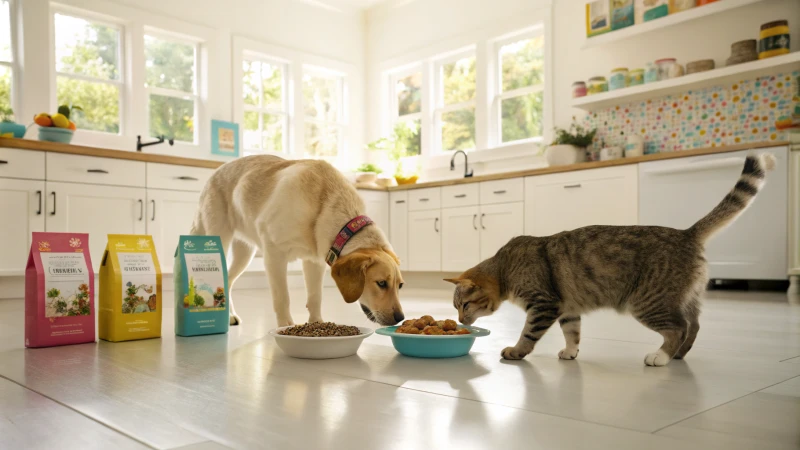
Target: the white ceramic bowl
(366, 177)
(320, 347)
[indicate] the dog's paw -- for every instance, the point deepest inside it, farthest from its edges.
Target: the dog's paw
(315, 319)
(235, 319)
(568, 353)
(512, 353)
(658, 359)
(285, 322)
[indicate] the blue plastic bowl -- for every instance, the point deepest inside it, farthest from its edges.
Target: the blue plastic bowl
(15, 129)
(424, 346)
(54, 134)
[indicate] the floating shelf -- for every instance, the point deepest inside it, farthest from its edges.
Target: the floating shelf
(666, 21)
(716, 77)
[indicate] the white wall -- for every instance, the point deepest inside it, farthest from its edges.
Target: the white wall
(393, 32)
(293, 25)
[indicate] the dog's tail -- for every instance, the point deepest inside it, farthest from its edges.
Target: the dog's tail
(738, 199)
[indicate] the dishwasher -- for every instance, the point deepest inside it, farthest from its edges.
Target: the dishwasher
(678, 192)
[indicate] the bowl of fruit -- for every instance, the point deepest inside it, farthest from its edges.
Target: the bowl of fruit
(57, 127)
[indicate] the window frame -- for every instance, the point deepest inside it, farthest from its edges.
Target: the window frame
(122, 69)
(394, 106)
(12, 65)
(196, 44)
(250, 55)
(497, 93)
(439, 108)
(341, 124)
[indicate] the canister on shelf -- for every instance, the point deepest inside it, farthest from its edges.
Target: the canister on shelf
(773, 39)
(742, 52)
(578, 89)
(651, 73)
(634, 146)
(676, 6)
(618, 78)
(702, 65)
(597, 85)
(704, 2)
(635, 77)
(666, 66)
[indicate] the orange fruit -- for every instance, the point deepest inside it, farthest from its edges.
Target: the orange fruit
(43, 120)
(72, 126)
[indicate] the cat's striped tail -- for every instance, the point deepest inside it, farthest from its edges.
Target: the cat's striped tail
(738, 199)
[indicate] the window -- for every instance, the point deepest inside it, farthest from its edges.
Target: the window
(89, 73)
(521, 85)
(171, 81)
(265, 106)
(6, 57)
(323, 109)
(407, 109)
(455, 103)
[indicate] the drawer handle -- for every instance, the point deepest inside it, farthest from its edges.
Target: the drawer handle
(185, 178)
(97, 171)
(436, 225)
(39, 211)
(141, 210)
(2, 161)
(500, 192)
(424, 199)
(474, 216)
(482, 216)
(54, 204)
(460, 195)
(570, 186)
(153, 218)
(399, 201)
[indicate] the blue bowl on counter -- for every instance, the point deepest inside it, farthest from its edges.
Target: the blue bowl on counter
(54, 134)
(425, 346)
(16, 130)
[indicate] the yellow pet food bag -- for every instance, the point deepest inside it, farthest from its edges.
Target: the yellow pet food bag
(130, 289)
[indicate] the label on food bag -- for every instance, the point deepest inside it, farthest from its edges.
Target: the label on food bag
(206, 282)
(66, 281)
(138, 283)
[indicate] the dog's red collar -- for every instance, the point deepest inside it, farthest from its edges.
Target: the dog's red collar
(349, 230)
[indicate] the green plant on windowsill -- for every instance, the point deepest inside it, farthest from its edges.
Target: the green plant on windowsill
(403, 144)
(569, 145)
(367, 167)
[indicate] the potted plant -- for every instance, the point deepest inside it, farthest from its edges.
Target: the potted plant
(9, 128)
(367, 173)
(569, 146)
(398, 153)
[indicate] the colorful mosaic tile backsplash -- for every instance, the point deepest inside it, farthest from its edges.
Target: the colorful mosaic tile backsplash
(739, 113)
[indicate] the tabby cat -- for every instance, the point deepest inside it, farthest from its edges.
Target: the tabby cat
(657, 274)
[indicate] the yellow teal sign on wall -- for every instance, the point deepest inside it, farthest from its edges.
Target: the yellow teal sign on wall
(224, 138)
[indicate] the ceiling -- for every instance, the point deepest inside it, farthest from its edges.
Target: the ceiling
(339, 5)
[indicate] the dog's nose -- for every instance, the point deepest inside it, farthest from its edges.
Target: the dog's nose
(398, 316)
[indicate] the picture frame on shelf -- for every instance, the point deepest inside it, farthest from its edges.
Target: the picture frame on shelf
(224, 138)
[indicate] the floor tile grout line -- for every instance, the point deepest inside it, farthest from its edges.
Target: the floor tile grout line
(723, 404)
(105, 425)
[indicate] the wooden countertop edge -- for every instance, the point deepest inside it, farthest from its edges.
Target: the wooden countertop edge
(592, 165)
(54, 147)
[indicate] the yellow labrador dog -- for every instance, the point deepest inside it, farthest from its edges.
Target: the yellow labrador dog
(301, 209)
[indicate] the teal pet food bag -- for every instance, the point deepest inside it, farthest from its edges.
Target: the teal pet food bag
(201, 287)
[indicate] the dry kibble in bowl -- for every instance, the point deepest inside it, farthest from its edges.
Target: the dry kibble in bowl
(428, 326)
(320, 329)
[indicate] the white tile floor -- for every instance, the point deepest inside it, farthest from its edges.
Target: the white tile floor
(739, 388)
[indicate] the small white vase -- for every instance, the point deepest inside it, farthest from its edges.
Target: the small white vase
(562, 155)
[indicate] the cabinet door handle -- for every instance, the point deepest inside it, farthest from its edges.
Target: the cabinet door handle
(399, 201)
(436, 224)
(474, 216)
(570, 186)
(97, 171)
(54, 204)
(482, 216)
(460, 195)
(39, 211)
(141, 210)
(3, 161)
(500, 192)
(153, 217)
(424, 199)
(185, 178)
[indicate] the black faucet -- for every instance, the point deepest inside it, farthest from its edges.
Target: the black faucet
(160, 140)
(467, 171)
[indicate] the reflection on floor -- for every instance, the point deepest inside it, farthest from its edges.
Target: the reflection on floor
(738, 388)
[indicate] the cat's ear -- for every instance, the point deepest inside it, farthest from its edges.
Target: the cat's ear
(452, 280)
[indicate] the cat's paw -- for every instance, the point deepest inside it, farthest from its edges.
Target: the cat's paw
(658, 359)
(568, 353)
(513, 353)
(235, 319)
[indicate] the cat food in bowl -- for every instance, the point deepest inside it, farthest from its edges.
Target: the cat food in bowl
(324, 340)
(429, 338)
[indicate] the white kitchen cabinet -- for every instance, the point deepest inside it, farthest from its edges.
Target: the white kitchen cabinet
(461, 238)
(498, 224)
(22, 210)
(569, 200)
(169, 214)
(97, 210)
(377, 208)
(398, 225)
(425, 241)
(678, 192)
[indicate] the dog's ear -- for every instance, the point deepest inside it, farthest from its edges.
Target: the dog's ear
(349, 273)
